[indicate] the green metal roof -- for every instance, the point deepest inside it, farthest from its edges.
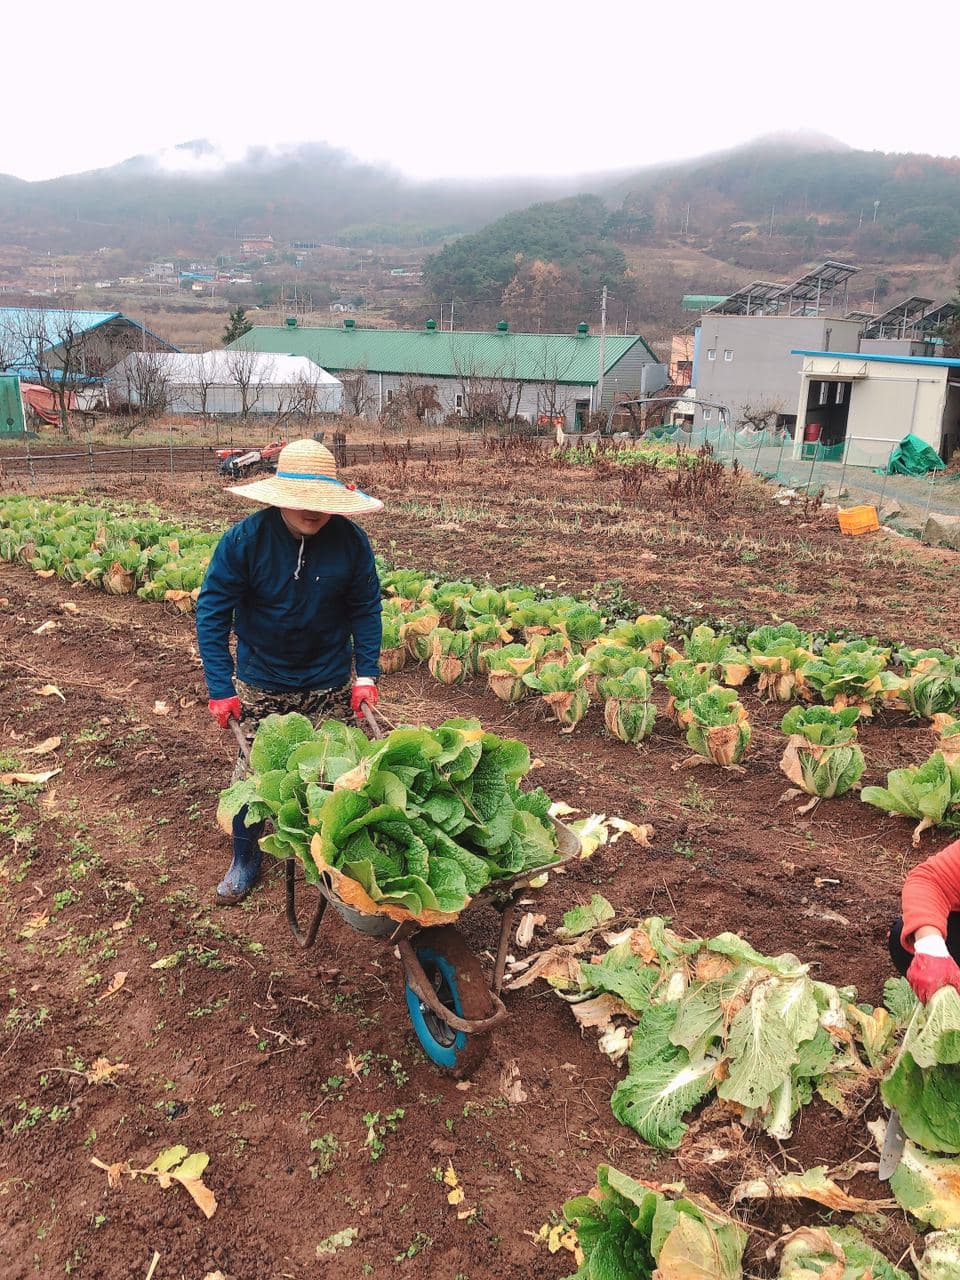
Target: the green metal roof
(526, 357)
(702, 301)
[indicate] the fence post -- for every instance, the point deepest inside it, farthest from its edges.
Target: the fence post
(926, 510)
(843, 469)
(783, 440)
(813, 465)
(90, 456)
(33, 474)
(170, 447)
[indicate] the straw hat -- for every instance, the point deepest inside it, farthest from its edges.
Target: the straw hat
(306, 480)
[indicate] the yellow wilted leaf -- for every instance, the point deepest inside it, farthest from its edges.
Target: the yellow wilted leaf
(50, 691)
(116, 982)
(44, 627)
(450, 1178)
(42, 748)
(35, 924)
(456, 1196)
(29, 779)
(103, 1071)
(640, 832)
(113, 1171)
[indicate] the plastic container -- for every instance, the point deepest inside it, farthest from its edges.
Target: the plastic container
(857, 520)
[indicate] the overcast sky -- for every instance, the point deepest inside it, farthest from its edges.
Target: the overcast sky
(469, 88)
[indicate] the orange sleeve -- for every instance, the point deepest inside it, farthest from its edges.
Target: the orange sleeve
(931, 892)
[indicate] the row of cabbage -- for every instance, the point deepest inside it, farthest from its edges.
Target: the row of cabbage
(120, 552)
(566, 652)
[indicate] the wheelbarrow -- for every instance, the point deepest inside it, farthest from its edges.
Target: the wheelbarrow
(452, 1005)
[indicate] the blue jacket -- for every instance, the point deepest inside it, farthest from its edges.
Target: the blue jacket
(301, 608)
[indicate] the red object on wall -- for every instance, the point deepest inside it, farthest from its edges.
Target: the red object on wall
(812, 431)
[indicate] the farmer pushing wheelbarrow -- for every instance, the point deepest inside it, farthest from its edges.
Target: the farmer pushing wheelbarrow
(297, 584)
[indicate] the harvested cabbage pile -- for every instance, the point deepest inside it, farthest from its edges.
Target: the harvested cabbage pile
(694, 1017)
(421, 820)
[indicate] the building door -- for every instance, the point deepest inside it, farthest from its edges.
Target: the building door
(581, 414)
(828, 407)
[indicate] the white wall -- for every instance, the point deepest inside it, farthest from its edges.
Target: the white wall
(887, 401)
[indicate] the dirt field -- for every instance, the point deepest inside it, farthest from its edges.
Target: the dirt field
(277, 1063)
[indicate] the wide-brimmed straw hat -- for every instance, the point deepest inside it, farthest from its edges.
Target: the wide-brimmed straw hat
(306, 479)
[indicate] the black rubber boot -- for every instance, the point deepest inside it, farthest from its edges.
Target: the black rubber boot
(247, 860)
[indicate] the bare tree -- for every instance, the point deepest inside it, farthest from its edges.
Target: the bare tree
(488, 395)
(204, 377)
(553, 395)
(303, 400)
(249, 371)
(51, 345)
(356, 396)
(412, 402)
(762, 415)
(141, 383)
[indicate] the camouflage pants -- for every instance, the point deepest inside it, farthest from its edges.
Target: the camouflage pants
(316, 704)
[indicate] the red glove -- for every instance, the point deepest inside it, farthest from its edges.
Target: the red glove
(361, 693)
(927, 974)
(223, 708)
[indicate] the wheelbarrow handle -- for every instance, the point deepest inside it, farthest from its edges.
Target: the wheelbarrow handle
(373, 724)
(241, 738)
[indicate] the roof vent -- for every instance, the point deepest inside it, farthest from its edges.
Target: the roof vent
(431, 325)
(291, 322)
(502, 326)
(582, 329)
(349, 323)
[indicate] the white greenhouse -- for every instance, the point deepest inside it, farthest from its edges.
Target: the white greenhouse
(225, 382)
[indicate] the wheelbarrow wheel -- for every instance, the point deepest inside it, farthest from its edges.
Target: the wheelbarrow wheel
(457, 977)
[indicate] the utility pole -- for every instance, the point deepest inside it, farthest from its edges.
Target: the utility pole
(603, 346)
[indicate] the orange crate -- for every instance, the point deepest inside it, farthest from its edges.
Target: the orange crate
(856, 520)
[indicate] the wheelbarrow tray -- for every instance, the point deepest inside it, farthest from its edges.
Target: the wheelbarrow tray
(506, 888)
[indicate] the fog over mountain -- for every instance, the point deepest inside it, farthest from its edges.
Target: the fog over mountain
(197, 196)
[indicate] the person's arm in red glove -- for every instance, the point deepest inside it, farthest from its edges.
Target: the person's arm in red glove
(932, 966)
(223, 708)
(364, 691)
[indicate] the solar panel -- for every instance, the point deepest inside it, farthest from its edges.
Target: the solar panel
(945, 313)
(813, 286)
(747, 300)
(899, 319)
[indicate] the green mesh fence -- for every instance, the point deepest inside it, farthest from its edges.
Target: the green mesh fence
(847, 474)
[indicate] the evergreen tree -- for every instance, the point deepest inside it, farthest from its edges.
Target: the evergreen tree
(237, 326)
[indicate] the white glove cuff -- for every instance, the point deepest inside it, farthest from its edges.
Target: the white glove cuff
(932, 946)
(364, 680)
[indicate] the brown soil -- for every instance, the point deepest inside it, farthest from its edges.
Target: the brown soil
(250, 1050)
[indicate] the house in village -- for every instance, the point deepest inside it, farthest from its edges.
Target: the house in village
(47, 346)
(493, 376)
(857, 405)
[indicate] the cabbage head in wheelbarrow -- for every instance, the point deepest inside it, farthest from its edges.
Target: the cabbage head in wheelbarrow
(412, 826)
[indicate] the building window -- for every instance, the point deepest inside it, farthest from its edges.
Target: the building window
(839, 396)
(389, 397)
(458, 401)
(712, 353)
(824, 392)
(728, 355)
(707, 415)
